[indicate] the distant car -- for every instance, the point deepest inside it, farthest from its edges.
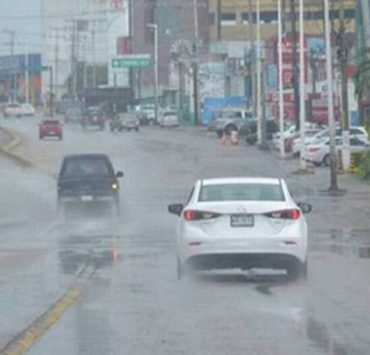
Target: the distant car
(73, 115)
(93, 117)
(27, 110)
(241, 223)
(250, 128)
(88, 179)
(51, 128)
(359, 132)
(149, 111)
(125, 121)
(169, 118)
(12, 109)
(228, 123)
(319, 153)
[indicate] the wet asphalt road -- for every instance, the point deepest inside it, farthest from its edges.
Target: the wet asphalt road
(133, 303)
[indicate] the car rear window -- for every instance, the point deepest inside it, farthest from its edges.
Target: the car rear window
(77, 167)
(169, 113)
(241, 192)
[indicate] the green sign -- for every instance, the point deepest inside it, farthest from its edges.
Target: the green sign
(132, 62)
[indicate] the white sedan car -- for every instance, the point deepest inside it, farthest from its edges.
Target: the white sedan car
(169, 118)
(241, 223)
(319, 153)
(27, 110)
(359, 132)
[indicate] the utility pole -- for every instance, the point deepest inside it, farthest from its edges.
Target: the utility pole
(73, 62)
(281, 87)
(154, 26)
(13, 80)
(302, 91)
(259, 82)
(27, 74)
(51, 89)
(94, 80)
(219, 25)
(295, 63)
(195, 86)
(252, 57)
(196, 66)
(329, 70)
(343, 59)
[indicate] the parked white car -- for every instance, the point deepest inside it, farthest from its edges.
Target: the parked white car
(27, 109)
(359, 132)
(169, 118)
(319, 153)
(241, 223)
(12, 109)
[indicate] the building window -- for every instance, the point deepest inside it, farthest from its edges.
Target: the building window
(245, 18)
(267, 17)
(228, 19)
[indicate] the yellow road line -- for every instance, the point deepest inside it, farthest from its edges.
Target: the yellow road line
(32, 334)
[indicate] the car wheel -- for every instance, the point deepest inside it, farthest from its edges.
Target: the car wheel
(137, 129)
(41, 136)
(229, 128)
(111, 129)
(327, 160)
(61, 137)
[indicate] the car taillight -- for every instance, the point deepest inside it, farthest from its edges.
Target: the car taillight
(286, 214)
(193, 215)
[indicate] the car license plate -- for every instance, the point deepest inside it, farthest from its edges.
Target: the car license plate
(242, 220)
(86, 198)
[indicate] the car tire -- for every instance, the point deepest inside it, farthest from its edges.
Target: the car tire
(327, 160)
(61, 137)
(229, 128)
(137, 129)
(41, 136)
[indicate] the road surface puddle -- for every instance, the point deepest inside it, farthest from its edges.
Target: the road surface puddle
(351, 242)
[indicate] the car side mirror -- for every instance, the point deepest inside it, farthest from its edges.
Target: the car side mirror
(305, 207)
(119, 174)
(176, 209)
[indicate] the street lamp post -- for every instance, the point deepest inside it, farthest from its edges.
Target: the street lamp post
(154, 26)
(329, 72)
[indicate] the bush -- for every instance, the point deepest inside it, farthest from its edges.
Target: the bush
(363, 170)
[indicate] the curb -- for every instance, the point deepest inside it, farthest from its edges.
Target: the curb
(8, 152)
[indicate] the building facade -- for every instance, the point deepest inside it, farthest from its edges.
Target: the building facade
(230, 20)
(80, 39)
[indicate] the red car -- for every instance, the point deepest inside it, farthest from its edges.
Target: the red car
(50, 128)
(93, 117)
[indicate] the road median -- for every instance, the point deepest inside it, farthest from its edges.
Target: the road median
(8, 150)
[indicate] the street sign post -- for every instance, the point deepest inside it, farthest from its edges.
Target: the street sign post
(132, 61)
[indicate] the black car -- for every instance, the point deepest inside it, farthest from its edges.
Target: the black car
(88, 179)
(249, 130)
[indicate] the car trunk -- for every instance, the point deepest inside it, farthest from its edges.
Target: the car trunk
(240, 220)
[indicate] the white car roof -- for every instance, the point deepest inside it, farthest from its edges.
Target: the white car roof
(241, 180)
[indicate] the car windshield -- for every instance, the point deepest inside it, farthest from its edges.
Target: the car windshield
(241, 192)
(88, 167)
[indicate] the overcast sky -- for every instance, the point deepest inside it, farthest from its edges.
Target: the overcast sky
(23, 17)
